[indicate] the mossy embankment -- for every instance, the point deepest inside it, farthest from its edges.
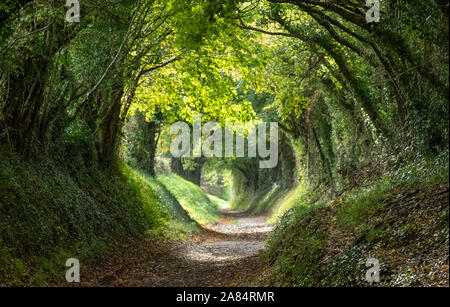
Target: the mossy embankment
(401, 220)
(199, 206)
(52, 211)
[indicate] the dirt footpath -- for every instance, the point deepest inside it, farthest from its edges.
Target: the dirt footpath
(224, 255)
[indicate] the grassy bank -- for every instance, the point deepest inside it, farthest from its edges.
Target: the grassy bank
(401, 220)
(199, 206)
(50, 212)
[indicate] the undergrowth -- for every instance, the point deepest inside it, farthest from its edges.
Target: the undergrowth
(50, 212)
(296, 248)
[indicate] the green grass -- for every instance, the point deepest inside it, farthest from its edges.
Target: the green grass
(158, 203)
(221, 203)
(296, 196)
(294, 248)
(193, 200)
(359, 204)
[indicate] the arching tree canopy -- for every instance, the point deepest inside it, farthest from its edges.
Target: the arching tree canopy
(359, 102)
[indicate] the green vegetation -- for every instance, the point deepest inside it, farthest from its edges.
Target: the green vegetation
(86, 110)
(158, 203)
(219, 202)
(49, 214)
(368, 200)
(200, 207)
(295, 197)
(298, 251)
(295, 247)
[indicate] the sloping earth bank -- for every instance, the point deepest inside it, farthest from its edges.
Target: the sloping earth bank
(408, 234)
